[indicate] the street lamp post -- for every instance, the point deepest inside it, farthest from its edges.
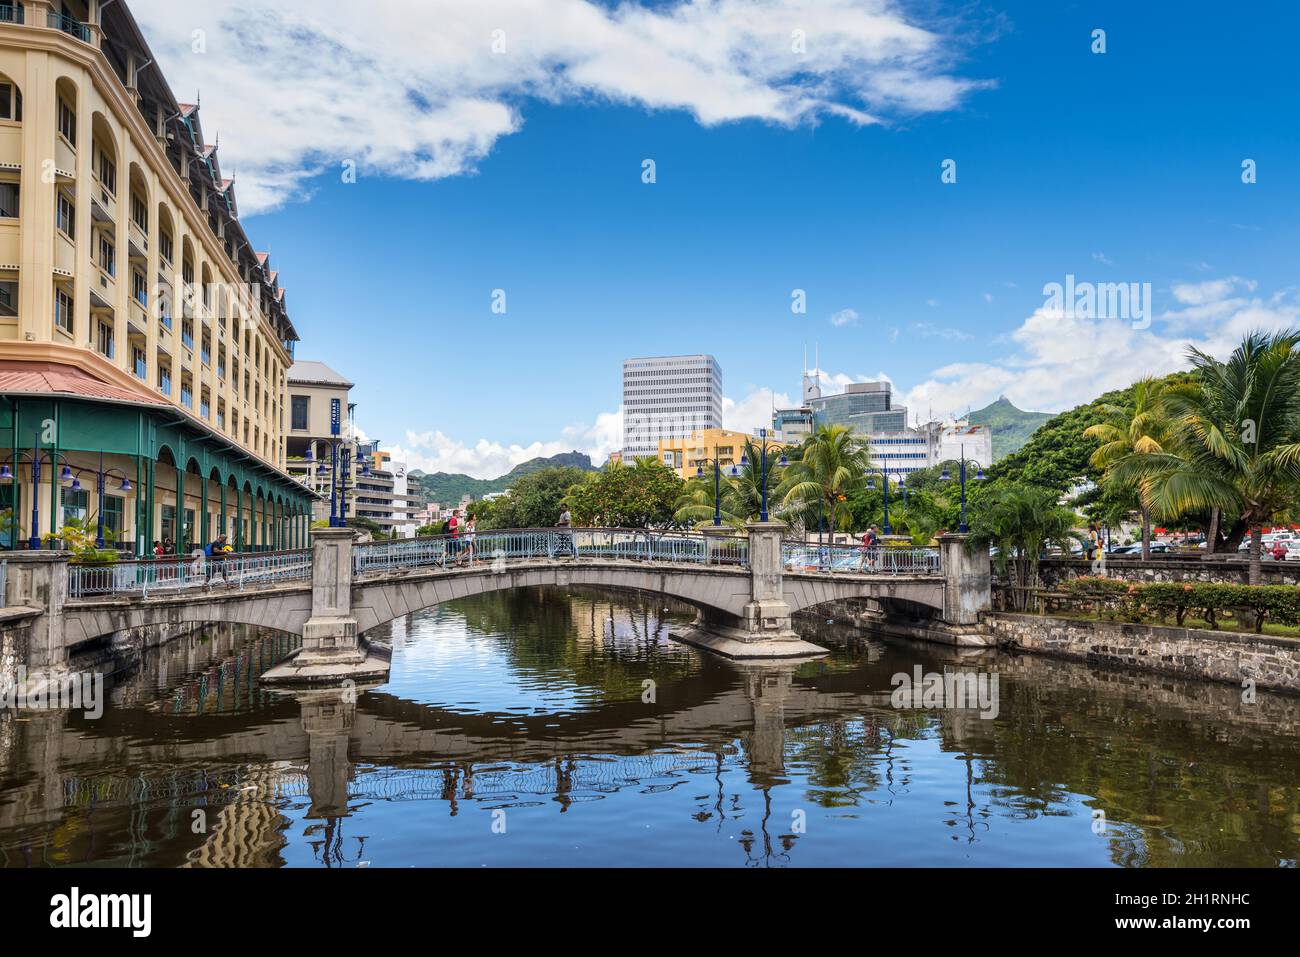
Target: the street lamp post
(944, 476)
(884, 477)
(101, 477)
(762, 475)
(52, 458)
(339, 470)
(717, 485)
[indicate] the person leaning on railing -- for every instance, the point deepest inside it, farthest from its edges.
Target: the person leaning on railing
(215, 557)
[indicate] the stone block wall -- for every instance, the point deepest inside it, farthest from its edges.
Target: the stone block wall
(1272, 663)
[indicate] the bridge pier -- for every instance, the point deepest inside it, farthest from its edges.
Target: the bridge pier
(37, 581)
(764, 629)
(331, 650)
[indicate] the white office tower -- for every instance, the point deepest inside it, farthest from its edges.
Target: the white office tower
(668, 397)
(812, 385)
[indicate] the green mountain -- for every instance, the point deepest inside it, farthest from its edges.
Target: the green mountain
(1011, 427)
(447, 488)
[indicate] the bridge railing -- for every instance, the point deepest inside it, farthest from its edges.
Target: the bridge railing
(148, 576)
(857, 559)
(633, 544)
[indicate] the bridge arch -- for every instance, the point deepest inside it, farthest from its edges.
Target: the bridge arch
(713, 591)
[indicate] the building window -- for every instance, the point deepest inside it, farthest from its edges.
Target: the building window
(298, 415)
(165, 247)
(9, 200)
(140, 214)
(104, 339)
(140, 363)
(8, 298)
(68, 122)
(167, 529)
(106, 255)
(63, 310)
(11, 103)
(107, 172)
(165, 379)
(76, 505)
(140, 288)
(187, 396)
(65, 215)
(114, 513)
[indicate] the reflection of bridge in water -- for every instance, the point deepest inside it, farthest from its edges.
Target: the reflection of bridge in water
(215, 741)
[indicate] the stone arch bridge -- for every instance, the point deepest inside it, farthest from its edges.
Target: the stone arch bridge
(746, 588)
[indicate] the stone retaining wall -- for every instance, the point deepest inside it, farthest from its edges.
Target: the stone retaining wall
(1232, 571)
(1272, 663)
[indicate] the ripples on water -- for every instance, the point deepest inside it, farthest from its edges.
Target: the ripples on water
(539, 728)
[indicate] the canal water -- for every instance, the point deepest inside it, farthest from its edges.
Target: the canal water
(543, 728)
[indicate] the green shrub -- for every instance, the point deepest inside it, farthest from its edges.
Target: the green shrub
(1209, 601)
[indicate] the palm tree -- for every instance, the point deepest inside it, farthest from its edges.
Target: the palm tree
(1020, 521)
(1237, 437)
(1128, 434)
(832, 462)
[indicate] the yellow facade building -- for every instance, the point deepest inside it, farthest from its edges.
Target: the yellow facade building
(136, 320)
(704, 446)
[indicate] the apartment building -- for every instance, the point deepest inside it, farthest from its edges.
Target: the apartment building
(700, 449)
(321, 440)
(668, 397)
(384, 496)
(144, 341)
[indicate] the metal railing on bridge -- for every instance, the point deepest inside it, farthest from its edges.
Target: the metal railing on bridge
(149, 576)
(859, 559)
(632, 544)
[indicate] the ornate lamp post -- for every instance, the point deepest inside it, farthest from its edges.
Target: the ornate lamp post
(101, 478)
(717, 482)
(35, 460)
(884, 476)
(944, 476)
(763, 471)
(339, 470)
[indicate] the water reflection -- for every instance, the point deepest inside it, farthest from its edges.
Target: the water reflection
(536, 727)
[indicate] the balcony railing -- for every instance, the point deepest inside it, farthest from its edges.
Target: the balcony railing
(11, 13)
(69, 25)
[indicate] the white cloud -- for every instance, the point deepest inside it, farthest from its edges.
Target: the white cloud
(845, 317)
(296, 88)
(928, 330)
(1101, 258)
(1210, 291)
(437, 452)
(1063, 361)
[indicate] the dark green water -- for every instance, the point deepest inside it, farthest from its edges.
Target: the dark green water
(538, 728)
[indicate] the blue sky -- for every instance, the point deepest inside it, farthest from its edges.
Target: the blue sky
(1115, 167)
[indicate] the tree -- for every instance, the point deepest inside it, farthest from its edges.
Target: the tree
(1238, 437)
(831, 463)
(740, 495)
(534, 500)
(1127, 434)
(1020, 522)
(641, 496)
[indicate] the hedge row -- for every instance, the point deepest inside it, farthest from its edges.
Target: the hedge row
(1138, 601)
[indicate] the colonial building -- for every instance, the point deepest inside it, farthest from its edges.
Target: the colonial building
(144, 342)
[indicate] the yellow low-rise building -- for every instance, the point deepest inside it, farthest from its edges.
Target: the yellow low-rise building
(700, 450)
